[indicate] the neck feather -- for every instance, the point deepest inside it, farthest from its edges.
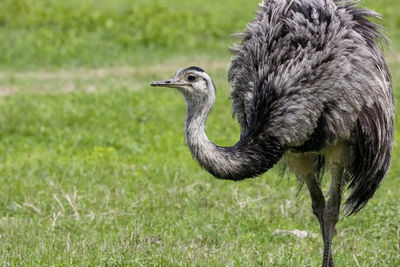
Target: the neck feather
(249, 157)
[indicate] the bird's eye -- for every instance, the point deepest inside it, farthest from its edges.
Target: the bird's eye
(191, 78)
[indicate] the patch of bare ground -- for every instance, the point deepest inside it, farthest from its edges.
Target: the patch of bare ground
(7, 90)
(394, 57)
(92, 80)
(80, 73)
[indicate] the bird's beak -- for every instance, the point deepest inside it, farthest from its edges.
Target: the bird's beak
(172, 83)
(167, 83)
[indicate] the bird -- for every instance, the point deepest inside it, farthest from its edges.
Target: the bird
(310, 89)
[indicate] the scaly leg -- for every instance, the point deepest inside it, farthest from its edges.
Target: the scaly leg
(331, 216)
(318, 205)
(303, 165)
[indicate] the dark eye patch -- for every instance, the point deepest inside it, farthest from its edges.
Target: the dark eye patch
(191, 78)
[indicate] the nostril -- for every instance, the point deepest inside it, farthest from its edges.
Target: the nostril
(167, 81)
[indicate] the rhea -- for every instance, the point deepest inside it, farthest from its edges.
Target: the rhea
(310, 88)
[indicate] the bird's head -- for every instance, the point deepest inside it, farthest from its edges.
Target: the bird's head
(193, 82)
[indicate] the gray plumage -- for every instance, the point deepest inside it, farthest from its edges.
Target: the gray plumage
(310, 87)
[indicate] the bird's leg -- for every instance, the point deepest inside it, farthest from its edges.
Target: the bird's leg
(331, 216)
(304, 168)
(318, 204)
(318, 201)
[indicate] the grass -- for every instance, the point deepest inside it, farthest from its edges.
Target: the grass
(97, 33)
(94, 170)
(52, 33)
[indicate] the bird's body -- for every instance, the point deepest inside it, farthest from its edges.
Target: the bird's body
(319, 64)
(311, 86)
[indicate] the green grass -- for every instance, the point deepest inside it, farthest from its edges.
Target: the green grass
(93, 33)
(52, 33)
(94, 170)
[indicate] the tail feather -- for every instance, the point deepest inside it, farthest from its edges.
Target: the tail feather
(373, 142)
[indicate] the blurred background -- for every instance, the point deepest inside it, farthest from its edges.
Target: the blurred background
(96, 33)
(49, 33)
(93, 166)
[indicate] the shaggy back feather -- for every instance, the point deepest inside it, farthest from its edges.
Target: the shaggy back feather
(309, 73)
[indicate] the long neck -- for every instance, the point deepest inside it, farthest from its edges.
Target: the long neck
(249, 157)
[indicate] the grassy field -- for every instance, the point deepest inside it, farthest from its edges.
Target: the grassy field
(93, 166)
